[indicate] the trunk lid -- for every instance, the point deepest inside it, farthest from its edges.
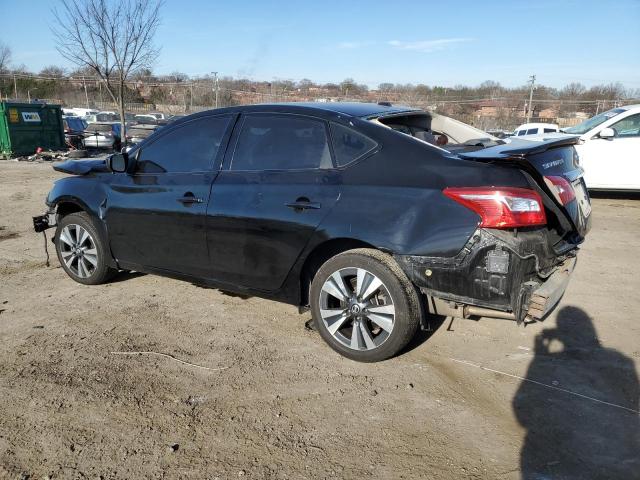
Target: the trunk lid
(552, 164)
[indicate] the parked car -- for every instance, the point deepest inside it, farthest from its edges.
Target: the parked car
(102, 117)
(138, 133)
(329, 207)
(535, 129)
(74, 128)
(102, 135)
(130, 118)
(173, 118)
(609, 148)
(499, 133)
(80, 112)
(146, 119)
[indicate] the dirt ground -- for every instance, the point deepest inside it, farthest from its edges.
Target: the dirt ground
(473, 399)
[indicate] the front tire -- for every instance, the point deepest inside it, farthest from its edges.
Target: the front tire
(81, 250)
(364, 306)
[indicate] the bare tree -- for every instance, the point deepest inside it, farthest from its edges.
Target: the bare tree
(53, 71)
(113, 38)
(5, 57)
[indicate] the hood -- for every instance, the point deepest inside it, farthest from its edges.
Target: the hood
(81, 167)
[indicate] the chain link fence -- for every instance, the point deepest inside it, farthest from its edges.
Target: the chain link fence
(188, 96)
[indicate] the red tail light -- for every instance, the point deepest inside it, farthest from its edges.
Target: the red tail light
(561, 188)
(501, 207)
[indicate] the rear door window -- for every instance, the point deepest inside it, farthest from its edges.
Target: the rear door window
(532, 131)
(192, 147)
(281, 142)
(550, 130)
(349, 145)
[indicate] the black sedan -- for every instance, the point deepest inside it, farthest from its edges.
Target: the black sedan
(350, 210)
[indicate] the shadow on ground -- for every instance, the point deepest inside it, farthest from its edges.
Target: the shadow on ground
(124, 276)
(594, 433)
(433, 323)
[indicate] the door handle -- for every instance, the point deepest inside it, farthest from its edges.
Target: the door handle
(303, 203)
(189, 198)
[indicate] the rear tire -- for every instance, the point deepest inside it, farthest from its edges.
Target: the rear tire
(81, 250)
(364, 293)
(77, 154)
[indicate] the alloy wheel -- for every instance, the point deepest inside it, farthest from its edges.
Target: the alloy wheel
(357, 309)
(78, 250)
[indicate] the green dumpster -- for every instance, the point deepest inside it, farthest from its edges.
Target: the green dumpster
(26, 126)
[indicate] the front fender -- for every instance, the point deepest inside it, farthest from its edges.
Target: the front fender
(84, 194)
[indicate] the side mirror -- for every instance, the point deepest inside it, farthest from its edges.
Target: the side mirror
(118, 162)
(607, 133)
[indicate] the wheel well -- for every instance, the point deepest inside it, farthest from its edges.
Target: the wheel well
(321, 254)
(65, 208)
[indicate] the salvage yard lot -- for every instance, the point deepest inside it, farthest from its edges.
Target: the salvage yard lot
(481, 399)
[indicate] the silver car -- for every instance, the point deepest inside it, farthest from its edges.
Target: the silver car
(102, 135)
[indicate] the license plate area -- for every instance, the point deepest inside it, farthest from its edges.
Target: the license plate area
(584, 203)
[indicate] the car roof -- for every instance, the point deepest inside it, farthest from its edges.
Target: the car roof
(355, 109)
(631, 107)
(325, 110)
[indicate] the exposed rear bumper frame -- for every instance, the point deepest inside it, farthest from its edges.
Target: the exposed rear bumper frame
(537, 306)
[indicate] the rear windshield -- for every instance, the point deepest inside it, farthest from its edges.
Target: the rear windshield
(107, 117)
(96, 127)
(593, 122)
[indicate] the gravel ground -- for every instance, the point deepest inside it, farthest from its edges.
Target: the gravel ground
(263, 397)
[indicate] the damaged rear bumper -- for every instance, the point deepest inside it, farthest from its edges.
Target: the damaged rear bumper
(498, 274)
(544, 299)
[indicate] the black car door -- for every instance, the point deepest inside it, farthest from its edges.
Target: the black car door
(277, 184)
(155, 214)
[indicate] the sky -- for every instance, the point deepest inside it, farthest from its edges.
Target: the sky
(431, 42)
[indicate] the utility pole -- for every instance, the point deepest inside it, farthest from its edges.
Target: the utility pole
(191, 96)
(86, 95)
(215, 86)
(15, 87)
(532, 79)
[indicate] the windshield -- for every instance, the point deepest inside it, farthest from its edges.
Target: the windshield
(593, 122)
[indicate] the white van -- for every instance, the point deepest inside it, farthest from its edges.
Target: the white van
(535, 129)
(80, 112)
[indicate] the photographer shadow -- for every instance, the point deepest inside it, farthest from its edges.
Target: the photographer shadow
(579, 405)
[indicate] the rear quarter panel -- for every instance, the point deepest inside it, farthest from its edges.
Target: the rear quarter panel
(393, 199)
